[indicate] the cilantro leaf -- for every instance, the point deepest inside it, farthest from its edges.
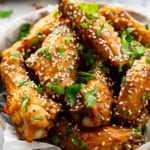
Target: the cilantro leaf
(5, 13)
(147, 60)
(71, 93)
(55, 139)
(90, 99)
(68, 38)
(104, 68)
(61, 51)
(84, 77)
(138, 130)
(90, 9)
(39, 89)
(84, 25)
(147, 27)
(58, 89)
(24, 30)
(99, 31)
(138, 51)
(123, 82)
(81, 145)
(38, 117)
(15, 54)
(89, 58)
(146, 96)
(24, 101)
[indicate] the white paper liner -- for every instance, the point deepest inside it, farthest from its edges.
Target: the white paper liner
(10, 140)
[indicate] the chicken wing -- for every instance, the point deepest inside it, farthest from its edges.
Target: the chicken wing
(55, 61)
(94, 102)
(96, 30)
(133, 97)
(72, 137)
(32, 113)
(120, 19)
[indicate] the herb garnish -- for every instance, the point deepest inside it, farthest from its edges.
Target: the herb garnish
(81, 145)
(147, 27)
(91, 10)
(55, 139)
(15, 54)
(84, 77)
(90, 99)
(58, 89)
(24, 101)
(147, 60)
(84, 25)
(138, 130)
(5, 14)
(24, 30)
(99, 31)
(38, 117)
(123, 82)
(71, 93)
(61, 50)
(68, 39)
(39, 89)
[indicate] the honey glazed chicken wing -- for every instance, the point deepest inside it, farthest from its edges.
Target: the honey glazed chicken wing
(96, 30)
(120, 19)
(133, 97)
(55, 62)
(72, 137)
(32, 113)
(93, 102)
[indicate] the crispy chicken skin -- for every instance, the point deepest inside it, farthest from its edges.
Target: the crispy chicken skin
(106, 43)
(99, 113)
(55, 62)
(33, 114)
(120, 19)
(132, 99)
(72, 137)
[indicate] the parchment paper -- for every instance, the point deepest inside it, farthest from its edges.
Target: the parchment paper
(8, 138)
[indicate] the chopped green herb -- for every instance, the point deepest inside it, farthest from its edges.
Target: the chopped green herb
(130, 30)
(68, 39)
(58, 89)
(81, 145)
(47, 56)
(84, 77)
(61, 50)
(15, 54)
(90, 99)
(55, 139)
(147, 60)
(39, 89)
(120, 69)
(99, 31)
(84, 25)
(126, 39)
(43, 50)
(56, 14)
(27, 83)
(22, 82)
(24, 101)
(24, 30)
(147, 26)
(36, 42)
(129, 113)
(38, 117)
(68, 131)
(138, 130)
(71, 93)
(104, 68)
(123, 82)
(91, 10)
(5, 13)
(89, 58)
(70, 69)
(146, 96)
(81, 47)
(138, 51)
